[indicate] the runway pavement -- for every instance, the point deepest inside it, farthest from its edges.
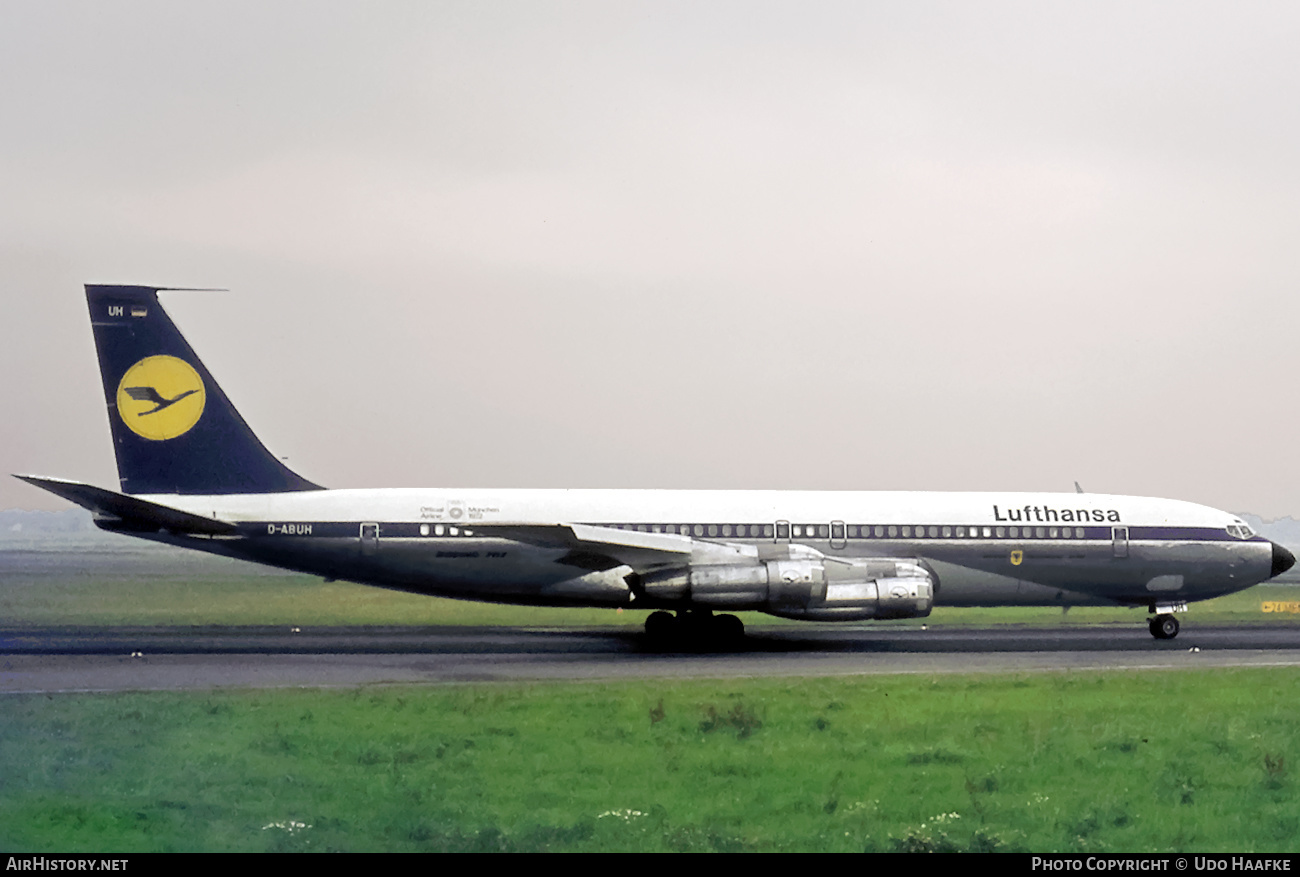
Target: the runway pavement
(140, 659)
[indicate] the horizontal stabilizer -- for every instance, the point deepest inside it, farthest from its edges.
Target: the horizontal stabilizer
(117, 511)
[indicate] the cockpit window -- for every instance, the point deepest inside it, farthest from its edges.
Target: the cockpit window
(1240, 531)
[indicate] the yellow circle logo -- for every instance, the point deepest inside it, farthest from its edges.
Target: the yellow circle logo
(160, 397)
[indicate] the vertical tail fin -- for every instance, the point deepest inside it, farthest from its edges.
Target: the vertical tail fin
(174, 430)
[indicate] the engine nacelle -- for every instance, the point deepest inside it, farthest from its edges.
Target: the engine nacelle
(807, 586)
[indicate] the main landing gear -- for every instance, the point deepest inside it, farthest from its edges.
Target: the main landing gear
(694, 628)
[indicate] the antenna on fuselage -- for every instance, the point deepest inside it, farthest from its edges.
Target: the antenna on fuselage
(1077, 488)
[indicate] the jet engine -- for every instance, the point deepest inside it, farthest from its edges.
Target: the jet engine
(803, 584)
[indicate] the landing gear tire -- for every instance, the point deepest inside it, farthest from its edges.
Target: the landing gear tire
(1163, 627)
(696, 626)
(694, 629)
(728, 630)
(661, 627)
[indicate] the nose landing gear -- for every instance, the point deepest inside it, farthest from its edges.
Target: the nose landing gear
(1163, 626)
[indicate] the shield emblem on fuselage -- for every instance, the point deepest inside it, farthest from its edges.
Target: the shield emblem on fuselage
(1016, 557)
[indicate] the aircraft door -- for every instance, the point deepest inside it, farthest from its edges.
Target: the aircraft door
(1119, 541)
(838, 538)
(369, 538)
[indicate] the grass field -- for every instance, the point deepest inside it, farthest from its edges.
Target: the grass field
(1186, 761)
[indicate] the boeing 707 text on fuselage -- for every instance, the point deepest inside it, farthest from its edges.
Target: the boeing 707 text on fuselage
(193, 474)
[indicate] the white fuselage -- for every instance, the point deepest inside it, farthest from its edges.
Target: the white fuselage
(547, 546)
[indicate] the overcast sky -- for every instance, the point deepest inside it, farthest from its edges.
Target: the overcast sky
(939, 246)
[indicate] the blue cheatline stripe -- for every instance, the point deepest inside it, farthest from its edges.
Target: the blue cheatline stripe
(412, 530)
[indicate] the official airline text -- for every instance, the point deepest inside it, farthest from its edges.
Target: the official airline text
(1047, 514)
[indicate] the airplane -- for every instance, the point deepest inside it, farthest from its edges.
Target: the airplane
(192, 473)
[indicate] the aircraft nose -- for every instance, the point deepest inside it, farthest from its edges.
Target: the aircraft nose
(1283, 560)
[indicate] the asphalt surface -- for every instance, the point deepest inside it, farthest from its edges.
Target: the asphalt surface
(146, 659)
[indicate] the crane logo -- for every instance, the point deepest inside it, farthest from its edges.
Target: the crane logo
(160, 398)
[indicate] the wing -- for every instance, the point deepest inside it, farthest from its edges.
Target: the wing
(595, 547)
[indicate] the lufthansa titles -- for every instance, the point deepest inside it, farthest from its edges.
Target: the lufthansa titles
(1047, 515)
